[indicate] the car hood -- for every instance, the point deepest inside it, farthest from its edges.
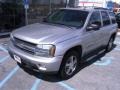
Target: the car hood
(44, 33)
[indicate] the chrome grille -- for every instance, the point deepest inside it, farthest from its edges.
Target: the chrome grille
(23, 45)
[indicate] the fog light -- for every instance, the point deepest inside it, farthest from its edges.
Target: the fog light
(42, 68)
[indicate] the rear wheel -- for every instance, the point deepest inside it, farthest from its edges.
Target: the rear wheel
(69, 65)
(110, 44)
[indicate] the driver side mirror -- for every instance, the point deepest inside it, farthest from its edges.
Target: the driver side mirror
(93, 27)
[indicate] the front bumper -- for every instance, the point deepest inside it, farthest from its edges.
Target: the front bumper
(42, 64)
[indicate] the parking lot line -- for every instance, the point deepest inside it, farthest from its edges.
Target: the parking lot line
(118, 49)
(107, 61)
(9, 76)
(66, 86)
(4, 59)
(2, 48)
(35, 85)
(37, 82)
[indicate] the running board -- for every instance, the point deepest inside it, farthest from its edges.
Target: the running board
(95, 55)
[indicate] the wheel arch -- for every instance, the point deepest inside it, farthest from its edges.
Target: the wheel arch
(78, 49)
(113, 36)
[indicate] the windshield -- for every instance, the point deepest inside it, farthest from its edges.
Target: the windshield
(73, 18)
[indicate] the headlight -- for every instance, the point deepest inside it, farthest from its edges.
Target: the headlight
(45, 50)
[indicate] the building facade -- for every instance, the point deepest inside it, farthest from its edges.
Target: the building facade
(13, 12)
(40, 8)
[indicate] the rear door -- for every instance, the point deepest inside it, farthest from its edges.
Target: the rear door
(106, 27)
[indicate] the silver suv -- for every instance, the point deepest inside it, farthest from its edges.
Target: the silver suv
(67, 37)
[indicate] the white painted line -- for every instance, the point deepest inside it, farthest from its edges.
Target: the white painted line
(2, 48)
(65, 86)
(3, 82)
(107, 61)
(35, 85)
(4, 59)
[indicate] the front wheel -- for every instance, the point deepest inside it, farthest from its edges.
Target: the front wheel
(69, 65)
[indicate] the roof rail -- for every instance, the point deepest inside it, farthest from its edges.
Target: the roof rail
(85, 7)
(101, 8)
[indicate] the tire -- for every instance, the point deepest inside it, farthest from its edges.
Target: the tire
(68, 69)
(110, 44)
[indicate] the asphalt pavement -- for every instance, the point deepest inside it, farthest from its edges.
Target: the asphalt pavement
(101, 73)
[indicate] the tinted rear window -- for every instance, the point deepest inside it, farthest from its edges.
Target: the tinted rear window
(112, 16)
(105, 17)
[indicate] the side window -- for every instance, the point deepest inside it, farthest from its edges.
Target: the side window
(112, 16)
(95, 18)
(105, 18)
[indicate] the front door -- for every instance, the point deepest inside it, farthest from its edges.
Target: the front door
(93, 37)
